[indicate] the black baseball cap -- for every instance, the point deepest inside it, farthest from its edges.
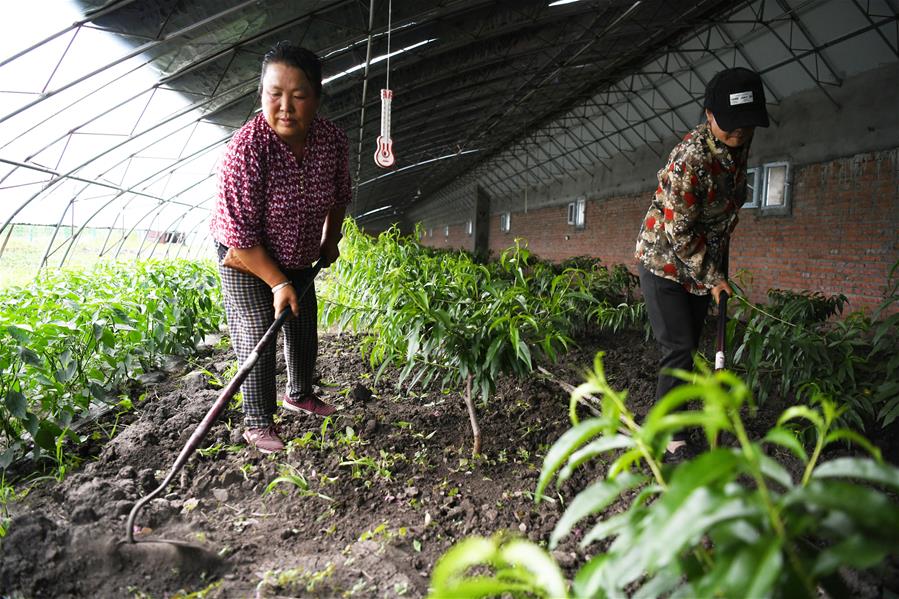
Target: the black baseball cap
(737, 99)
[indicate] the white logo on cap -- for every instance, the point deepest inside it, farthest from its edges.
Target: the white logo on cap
(741, 98)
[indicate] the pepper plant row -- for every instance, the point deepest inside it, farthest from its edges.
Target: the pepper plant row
(442, 317)
(70, 339)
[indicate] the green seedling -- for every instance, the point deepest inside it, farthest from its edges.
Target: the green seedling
(294, 581)
(289, 475)
(363, 466)
(247, 470)
(217, 448)
(308, 439)
(212, 378)
(349, 438)
(207, 591)
(379, 531)
(421, 458)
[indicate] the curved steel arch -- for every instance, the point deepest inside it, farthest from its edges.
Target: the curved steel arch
(541, 92)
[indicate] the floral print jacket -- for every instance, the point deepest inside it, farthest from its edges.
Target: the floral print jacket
(686, 231)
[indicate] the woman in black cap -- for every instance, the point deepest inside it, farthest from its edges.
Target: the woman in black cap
(683, 241)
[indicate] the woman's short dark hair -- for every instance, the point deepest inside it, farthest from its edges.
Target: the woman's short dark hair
(297, 57)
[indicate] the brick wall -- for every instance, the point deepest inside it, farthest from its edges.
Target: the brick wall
(841, 236)
(610, 231)
(457, 238)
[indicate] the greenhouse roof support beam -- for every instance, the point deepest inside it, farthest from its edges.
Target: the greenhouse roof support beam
(97, 182)
(94, 14)
(160, 205)
(788, 46)
(136, 52)
(798, 56)
(895, 49)
(69, 174)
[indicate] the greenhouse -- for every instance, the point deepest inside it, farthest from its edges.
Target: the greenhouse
(449, 299)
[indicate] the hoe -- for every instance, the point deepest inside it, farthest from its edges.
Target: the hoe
(164, 551)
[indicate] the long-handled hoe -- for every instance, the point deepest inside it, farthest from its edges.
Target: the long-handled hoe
(165, 551)
(720, 357)
(722, 331)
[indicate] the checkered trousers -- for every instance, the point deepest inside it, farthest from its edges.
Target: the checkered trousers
(249, 310)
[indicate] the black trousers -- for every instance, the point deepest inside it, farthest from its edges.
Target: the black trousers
(676, 316)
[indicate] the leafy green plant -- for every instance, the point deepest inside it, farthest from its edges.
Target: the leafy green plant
(362, 466)
(289, 475)
(8, 495)
(621, 316)
(295, 581)
(613, 306)
(792, 345)
(513, 566)
(733, 521)
(71, 338)
(442, 317)
(216, 448)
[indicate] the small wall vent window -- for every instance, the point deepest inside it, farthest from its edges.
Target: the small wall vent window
(446, 231)
(505, 222)
(576, 211)
(753, 187)
(469, 228)
(775, 193)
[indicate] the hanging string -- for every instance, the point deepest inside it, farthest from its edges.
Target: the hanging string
(384, 153)
(371, 28)
(389, 28)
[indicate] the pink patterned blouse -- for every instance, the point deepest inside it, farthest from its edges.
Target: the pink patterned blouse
(268, 197)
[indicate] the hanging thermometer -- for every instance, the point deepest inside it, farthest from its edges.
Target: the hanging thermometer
(384, 154)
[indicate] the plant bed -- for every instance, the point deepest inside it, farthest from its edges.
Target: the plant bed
(368, 500)
(362, 504)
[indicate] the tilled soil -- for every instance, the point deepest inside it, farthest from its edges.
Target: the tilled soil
(369, 498)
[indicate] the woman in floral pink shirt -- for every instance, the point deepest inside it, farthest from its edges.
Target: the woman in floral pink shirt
(284, 185)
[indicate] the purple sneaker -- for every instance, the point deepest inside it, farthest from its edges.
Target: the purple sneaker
(266, 440)
(309, 404)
